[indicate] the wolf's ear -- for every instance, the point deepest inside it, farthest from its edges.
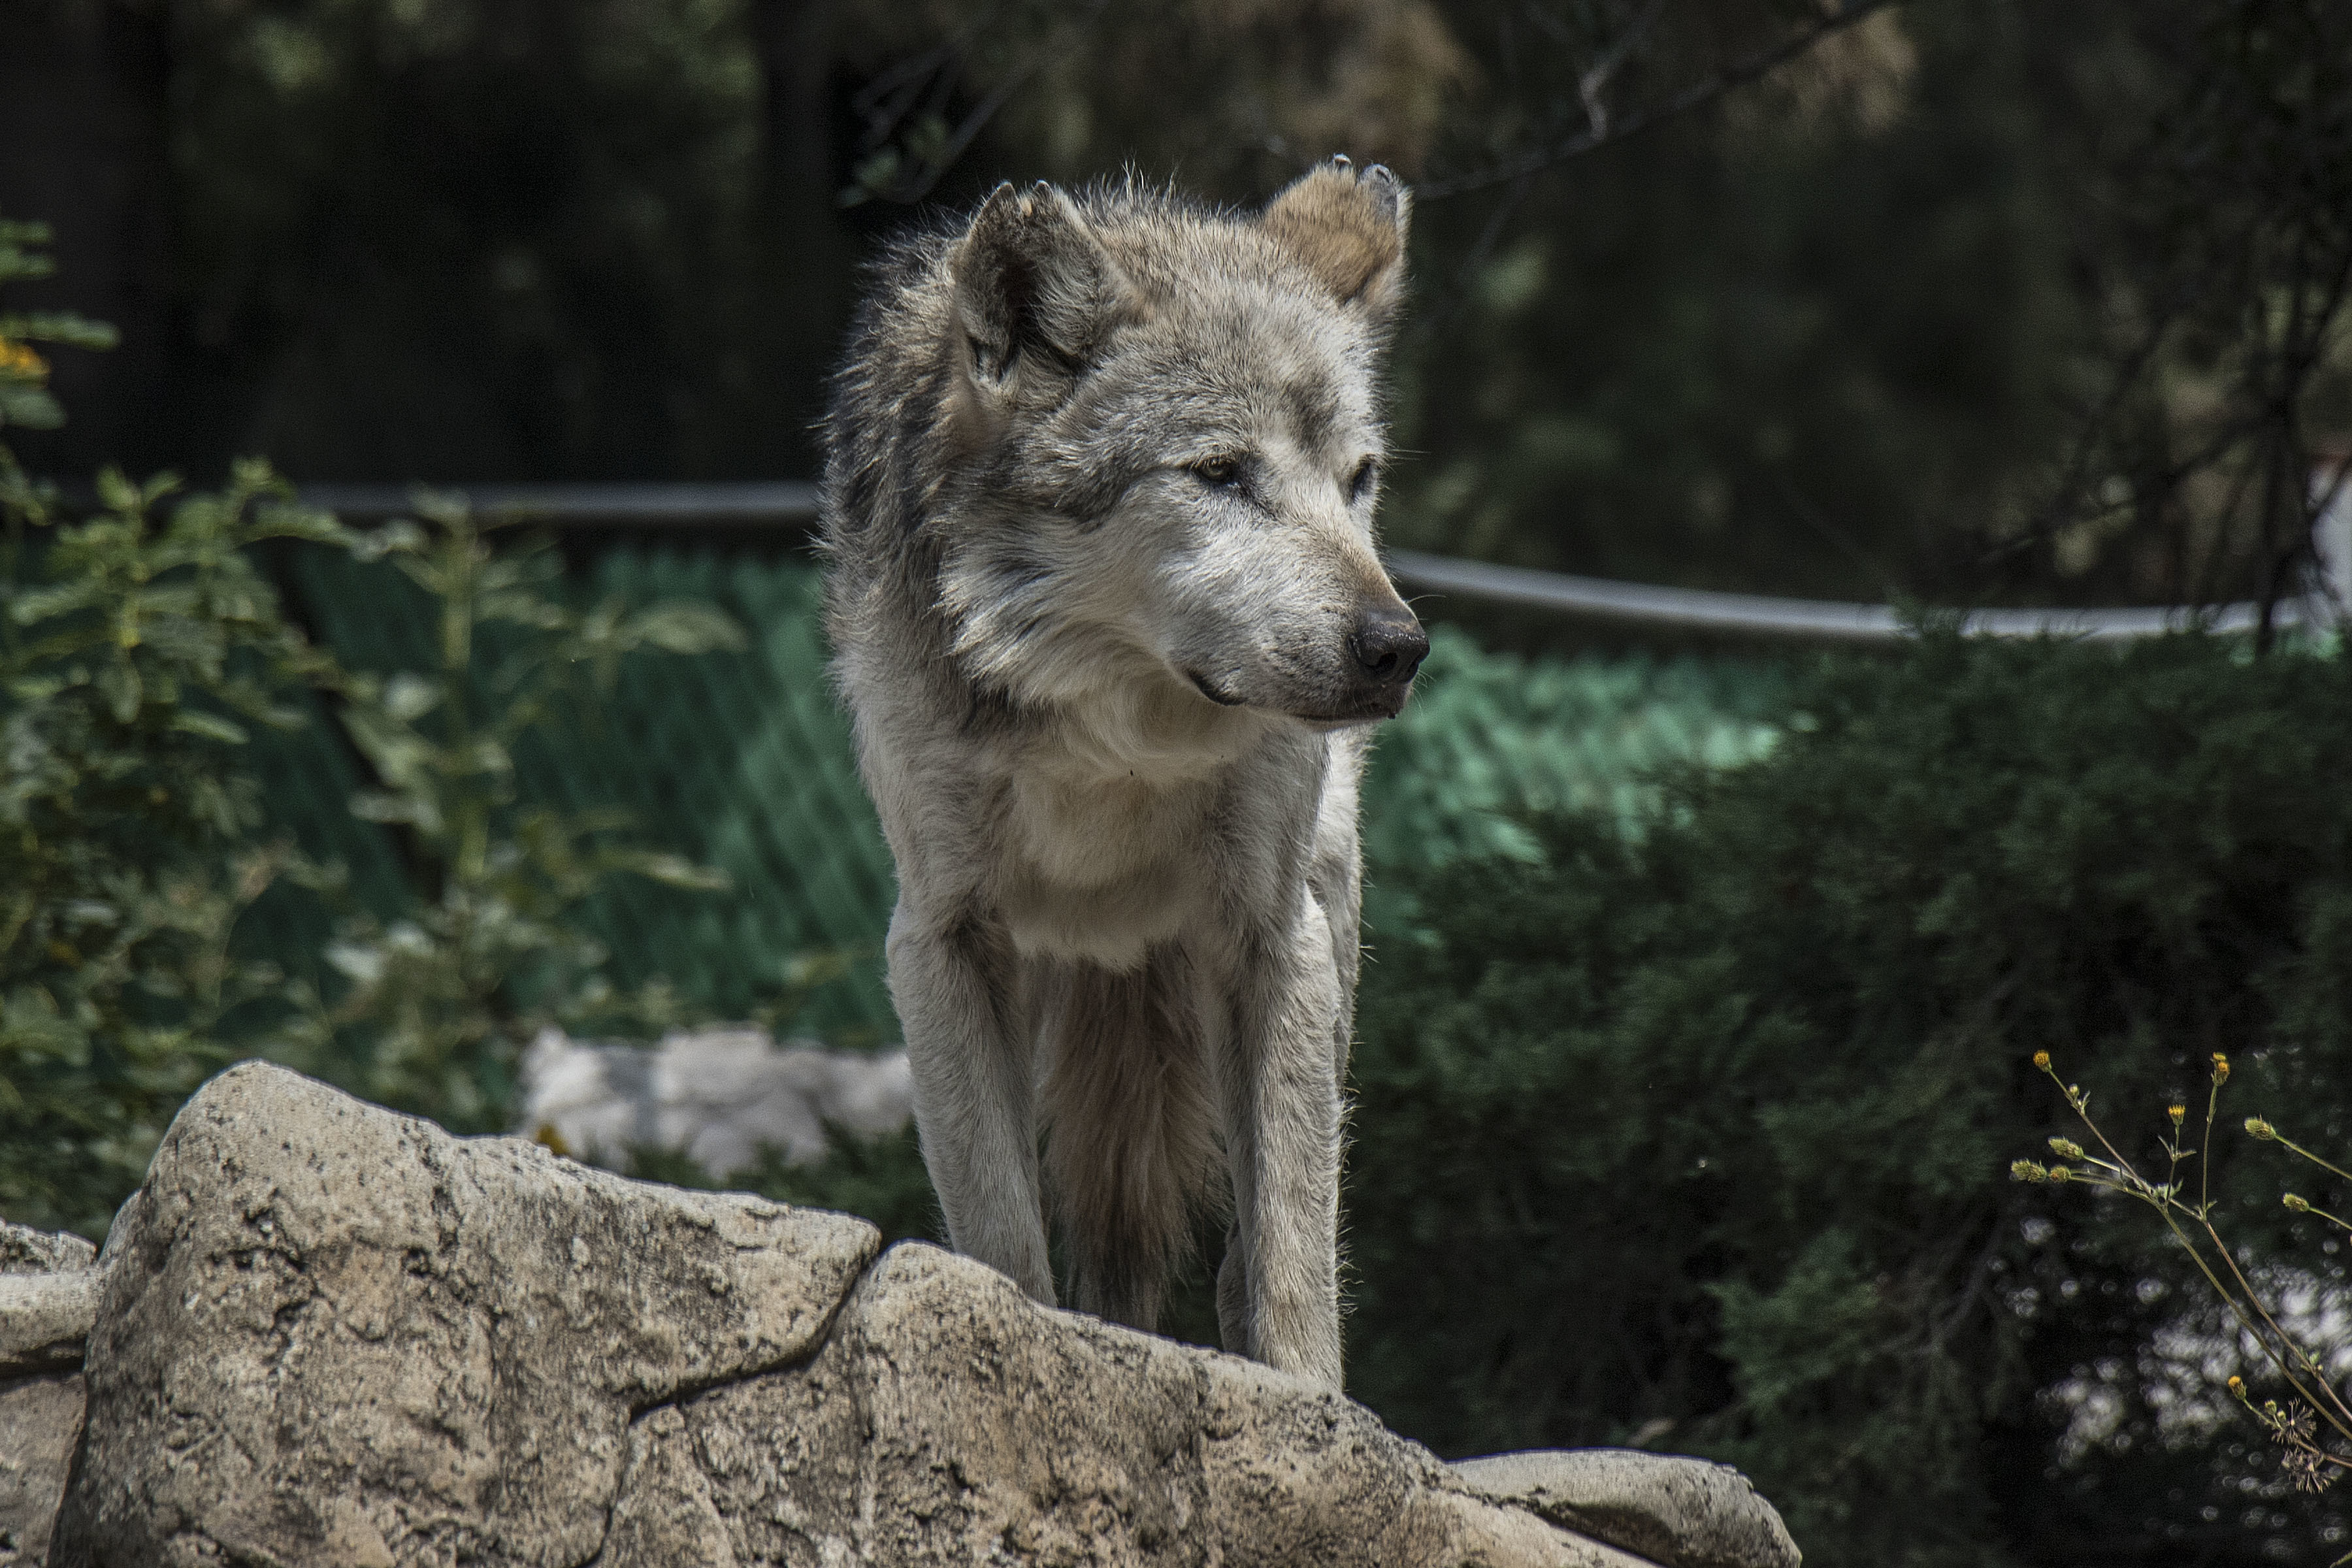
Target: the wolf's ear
(1031, 285)
(1348, 230)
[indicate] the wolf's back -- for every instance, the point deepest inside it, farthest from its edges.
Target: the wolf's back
(883, 438)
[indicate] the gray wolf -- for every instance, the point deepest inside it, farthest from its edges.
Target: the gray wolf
(1099, 494)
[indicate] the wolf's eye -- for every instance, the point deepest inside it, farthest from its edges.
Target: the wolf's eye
(1222, 472)
(1361, 480)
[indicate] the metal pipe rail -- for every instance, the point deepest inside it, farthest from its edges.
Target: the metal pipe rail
(1698, 609)
(779, 501)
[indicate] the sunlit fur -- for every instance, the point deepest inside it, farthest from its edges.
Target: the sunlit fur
(1099, 498)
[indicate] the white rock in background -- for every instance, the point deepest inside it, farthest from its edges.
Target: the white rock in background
(717, 1095)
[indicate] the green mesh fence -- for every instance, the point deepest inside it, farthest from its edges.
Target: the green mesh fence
(737, 761)
(1489, 737)
(742, 761)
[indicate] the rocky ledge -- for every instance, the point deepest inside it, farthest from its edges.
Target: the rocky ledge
(325, 1333)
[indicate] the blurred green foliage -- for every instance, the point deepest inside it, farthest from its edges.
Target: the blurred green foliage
(141, 658)
(738, 760)
(880, 1179)
(1971, 302)
(1492, 737)
(24, 402)
(1758, 1072)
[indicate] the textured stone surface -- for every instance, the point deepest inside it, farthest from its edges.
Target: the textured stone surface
(331, 1334)
(44, 1320)
(24, 1250)
(949, 1419)
(47, 1296)
(40, 1421)
(1682, 1513)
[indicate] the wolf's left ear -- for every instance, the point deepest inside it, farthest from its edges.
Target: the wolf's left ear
(1348, 230)
(1034, 290)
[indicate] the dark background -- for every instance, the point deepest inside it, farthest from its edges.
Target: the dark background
(1988, 301)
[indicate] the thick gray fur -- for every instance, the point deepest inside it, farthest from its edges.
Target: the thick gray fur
(1098, 498)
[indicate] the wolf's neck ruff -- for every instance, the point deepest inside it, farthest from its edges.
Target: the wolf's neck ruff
(1098, 495)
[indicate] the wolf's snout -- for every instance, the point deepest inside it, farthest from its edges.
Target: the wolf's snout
(1389, 646)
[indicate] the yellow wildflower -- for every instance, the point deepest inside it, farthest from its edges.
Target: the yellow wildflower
(2220, 1068)
(2042, 1058)
(19, 361)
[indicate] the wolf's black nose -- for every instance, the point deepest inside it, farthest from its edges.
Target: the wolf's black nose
(1390, 646)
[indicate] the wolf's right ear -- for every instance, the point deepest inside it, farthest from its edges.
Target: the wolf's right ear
(1348, 230)
(1035, 292)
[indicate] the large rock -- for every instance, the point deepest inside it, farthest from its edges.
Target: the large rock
(49, 1296)
(329, 1334)
(1678, 1513)
(949, 1419)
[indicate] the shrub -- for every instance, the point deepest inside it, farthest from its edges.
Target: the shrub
(140, 651)
(1699, 1141)
(136, 657)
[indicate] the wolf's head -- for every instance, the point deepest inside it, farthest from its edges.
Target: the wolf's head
(1168, 440)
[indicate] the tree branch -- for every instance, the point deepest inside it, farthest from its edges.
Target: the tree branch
(1601, 132)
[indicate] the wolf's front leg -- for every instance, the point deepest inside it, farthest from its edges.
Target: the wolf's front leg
(1278, 1292)
(955, 987)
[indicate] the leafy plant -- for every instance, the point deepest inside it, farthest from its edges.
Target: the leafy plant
(1491, 738)
(24, 399)
(2314, 1428)
(139, 651)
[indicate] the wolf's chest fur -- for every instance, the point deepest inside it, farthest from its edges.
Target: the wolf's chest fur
(1103, 854)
